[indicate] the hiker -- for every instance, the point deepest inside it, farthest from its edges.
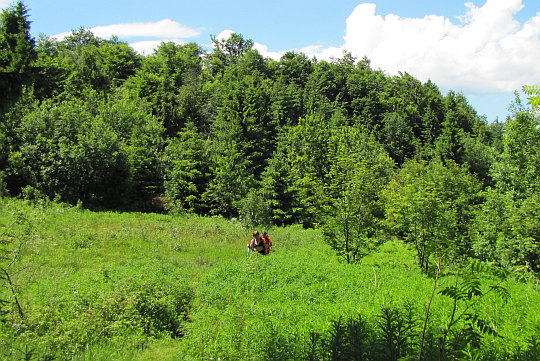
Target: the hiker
(257, 243)
(267, 241)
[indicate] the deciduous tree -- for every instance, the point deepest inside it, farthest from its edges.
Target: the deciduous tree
(432, 205)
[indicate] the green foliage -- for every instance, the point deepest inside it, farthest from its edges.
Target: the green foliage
(81, 62)
(137, 286)
(3, 189)
(65, 154)
(187, 171)
(370, 159)
(508, 231)
(465, 294)
(17, 53)
(98, 152)
(432, 205)
(507, 225)
(75, 296)
(518, 168)
(281, 204)
(15, 233)
(398, 138)
(386, 167)
(397, 332)
(307, 157)
(17, 46)
(346, 340)
(227, 52)
(170, 82)
(534, 94)
(131, 312)
(267, 125)
(353, 211)
(232, 180)
(479, 156)
(142, 135)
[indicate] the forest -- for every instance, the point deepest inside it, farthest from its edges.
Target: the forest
(364, 158)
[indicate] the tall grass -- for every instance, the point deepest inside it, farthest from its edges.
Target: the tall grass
(133, 286)
(302, 290)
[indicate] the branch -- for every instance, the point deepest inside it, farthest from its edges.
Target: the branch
(454, 308)
(428, 308)
(12, 287)
(482, 295)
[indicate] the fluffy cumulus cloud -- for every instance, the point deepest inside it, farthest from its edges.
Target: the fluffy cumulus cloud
(263, 50)
(322, 53)
(163, 30)
(486, 51)
(4, 3)
(225, 34)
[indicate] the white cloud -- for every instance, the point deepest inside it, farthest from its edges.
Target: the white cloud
(489, 51)
(4, 3)
(263, 50)
(225, 34)
(320, 52)
(164, 30)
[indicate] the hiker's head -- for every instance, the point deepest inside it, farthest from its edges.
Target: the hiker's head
(256, 234)
(265, 234)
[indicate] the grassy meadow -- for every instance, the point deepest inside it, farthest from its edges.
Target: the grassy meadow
(134, 286)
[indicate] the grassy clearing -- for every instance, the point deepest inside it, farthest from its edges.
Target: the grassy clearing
(126, 286)
(302, 288)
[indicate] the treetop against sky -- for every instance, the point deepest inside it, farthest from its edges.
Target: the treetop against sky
(485, 49)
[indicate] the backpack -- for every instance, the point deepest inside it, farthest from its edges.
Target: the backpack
(268, 243)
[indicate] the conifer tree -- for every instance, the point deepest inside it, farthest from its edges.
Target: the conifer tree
(17, 53)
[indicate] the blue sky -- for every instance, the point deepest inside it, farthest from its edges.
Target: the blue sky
(486, 49)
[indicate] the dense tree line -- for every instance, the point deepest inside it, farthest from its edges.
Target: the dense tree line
(332, 144)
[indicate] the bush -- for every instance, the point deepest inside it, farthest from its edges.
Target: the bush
(127, 316)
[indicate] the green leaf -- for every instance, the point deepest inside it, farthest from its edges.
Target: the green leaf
(534, 92)
(502, 292)
(482, 325)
